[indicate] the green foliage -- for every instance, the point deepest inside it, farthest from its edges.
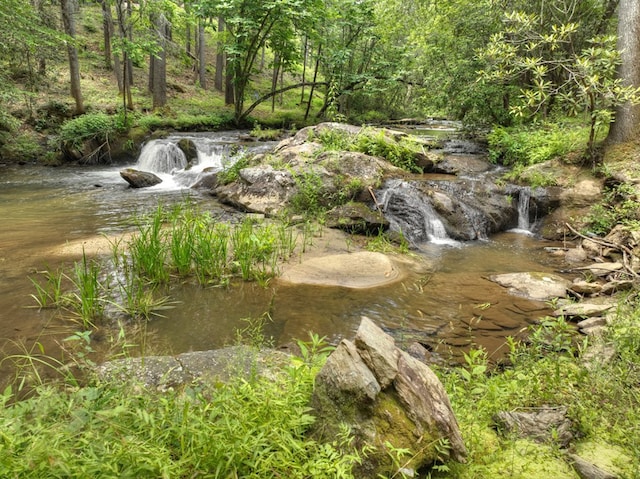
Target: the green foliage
(400, 154)
(232, 173)
(91, 126)
(547, 370)
(529, 145)
(561, 70)
(309, 198)
(619, 205)
(182, 243)
(262, 134)
(248, 428)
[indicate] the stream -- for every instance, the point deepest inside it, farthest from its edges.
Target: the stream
(448, 309)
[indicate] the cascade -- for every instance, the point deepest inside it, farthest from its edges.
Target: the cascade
(411, 213)
(161, 156)
(523, 208)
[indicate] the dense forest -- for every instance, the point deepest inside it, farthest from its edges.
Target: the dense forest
(483, 62)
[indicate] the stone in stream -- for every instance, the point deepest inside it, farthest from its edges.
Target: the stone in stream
(383, 395)
(533, 285)
(139, 179)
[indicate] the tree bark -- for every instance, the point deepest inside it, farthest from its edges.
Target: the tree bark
(107, 28)
(66, 7)
(626, 126)
(202, 59)
(219, 78)
(158, 63)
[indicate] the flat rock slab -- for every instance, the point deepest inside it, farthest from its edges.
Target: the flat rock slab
(214, 366)
(364, 269)
(533, 285)
(582, 310)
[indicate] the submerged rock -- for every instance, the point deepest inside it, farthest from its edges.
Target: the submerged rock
(384, 396)
(363, 269)
(533, 285)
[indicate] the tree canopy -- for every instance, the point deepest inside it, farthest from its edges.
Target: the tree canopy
(481, 61)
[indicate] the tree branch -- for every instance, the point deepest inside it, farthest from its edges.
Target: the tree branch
(276, 92)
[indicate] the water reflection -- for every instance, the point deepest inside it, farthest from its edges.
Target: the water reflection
(450, 307)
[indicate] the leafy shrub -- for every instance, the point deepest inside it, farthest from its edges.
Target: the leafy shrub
(92, 126)
(249, 428)
(535, 144)
(399, 154)
(619, 205)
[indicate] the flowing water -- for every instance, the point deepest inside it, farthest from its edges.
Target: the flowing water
(446, 307)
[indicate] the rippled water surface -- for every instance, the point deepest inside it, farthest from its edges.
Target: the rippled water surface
(447, 307)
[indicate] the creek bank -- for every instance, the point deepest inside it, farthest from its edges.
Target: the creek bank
(382, 393)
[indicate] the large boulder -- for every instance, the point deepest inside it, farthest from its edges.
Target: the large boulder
(260, 189)
(139, 179)
(386, 398)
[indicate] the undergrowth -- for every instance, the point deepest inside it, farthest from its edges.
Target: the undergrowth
(249, 428)
(549, 370)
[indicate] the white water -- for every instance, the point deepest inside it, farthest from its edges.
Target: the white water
(216, 151)
(432, 227)
(524, 225)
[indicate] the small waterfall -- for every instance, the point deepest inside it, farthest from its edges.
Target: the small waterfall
(411, 213)
(161, 156)
(523, 209)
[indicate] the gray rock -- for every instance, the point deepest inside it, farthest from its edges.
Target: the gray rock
(533, 285)
(592, 322)
(139, 179)
(585, 287)
(582, 310)
(220, 365)
(378, 351)
(545, 424)
(356, 218)
(384, 395)
(601, 269)
(586, 470)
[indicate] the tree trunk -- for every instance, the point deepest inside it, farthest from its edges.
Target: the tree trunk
(74, 66)
(626, 126)
(158, 66)
(229, 94)
(315, 77)
(218, 82)
(202, 59)
(107, 28)
(274, 80)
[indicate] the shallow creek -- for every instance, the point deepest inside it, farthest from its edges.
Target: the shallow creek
(447, 307)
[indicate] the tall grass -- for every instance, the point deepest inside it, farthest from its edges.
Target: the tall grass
(182, 244)
(254, 428)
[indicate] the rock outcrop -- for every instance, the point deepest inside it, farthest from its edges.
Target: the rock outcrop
(385, 397)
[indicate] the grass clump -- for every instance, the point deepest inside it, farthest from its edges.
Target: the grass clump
(250, 428)
(549, 370)
(399, 152)
(536, 143)
(620, 204)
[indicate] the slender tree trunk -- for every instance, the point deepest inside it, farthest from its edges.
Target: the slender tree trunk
(202, 59)
(219, 78)
(315, 77)
(229, 93)
(304, 66)
(158, 64)
(626, 126)
(107, 29)
(187, 33)
(74, 65)
(274, 80)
